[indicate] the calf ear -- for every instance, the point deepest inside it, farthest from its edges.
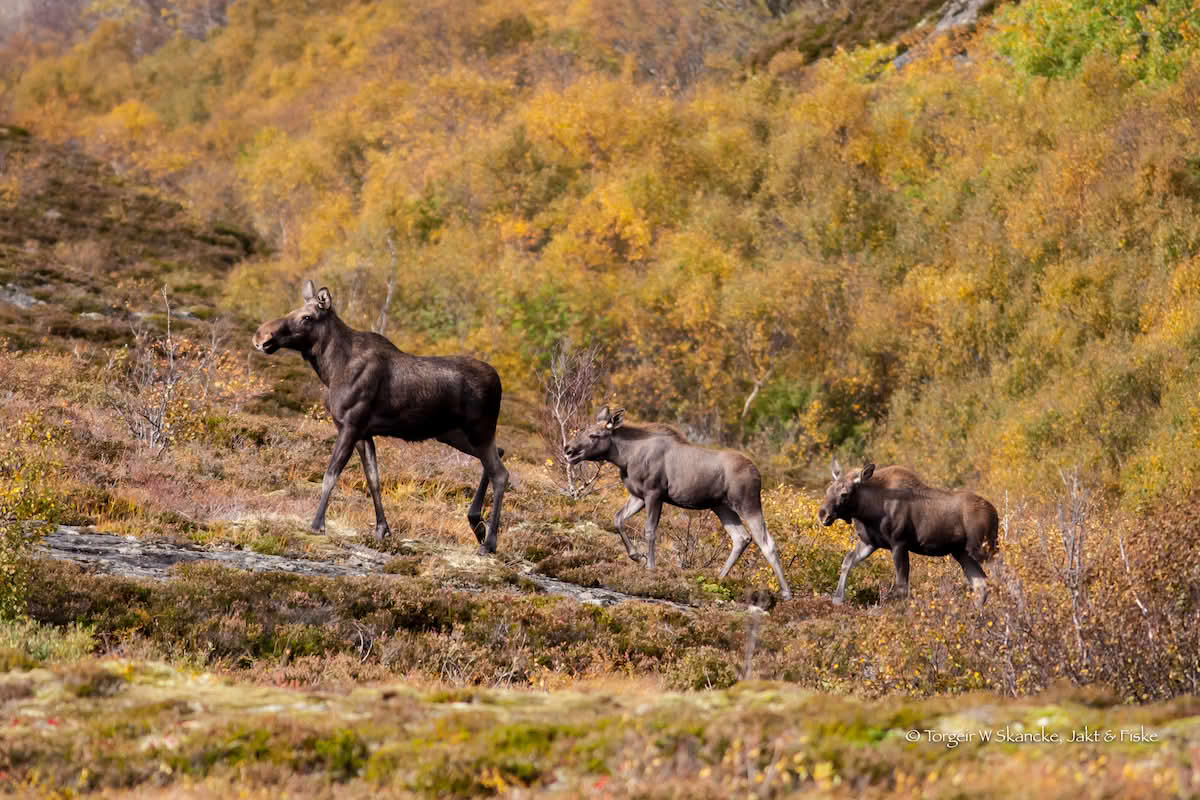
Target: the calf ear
(837, 470)
(617, 418)
(308, 292)
(324, 299)
(866, 473)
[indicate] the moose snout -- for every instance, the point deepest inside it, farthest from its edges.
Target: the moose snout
(264, 340)
(825, 516)
(572, 453)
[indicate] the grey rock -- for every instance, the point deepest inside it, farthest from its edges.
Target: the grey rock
(14, 296)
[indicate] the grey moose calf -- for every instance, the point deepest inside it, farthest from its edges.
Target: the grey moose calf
(375, 389)
(658, 465)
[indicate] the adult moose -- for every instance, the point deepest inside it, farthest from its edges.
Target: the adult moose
(375, 389)
(659, 466)
(894, 509)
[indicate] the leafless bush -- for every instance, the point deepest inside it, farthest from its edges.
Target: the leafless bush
(696, 546)
(1072, 515)
(158, 385)
(142, 383)
(570, 384)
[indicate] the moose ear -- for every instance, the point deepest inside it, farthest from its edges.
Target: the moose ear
(603, 415)
(324, 299)
(866, 473)
(837, 470)
(617, 418)
(308, 292)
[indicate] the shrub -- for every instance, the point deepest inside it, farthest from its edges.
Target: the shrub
(703, 668)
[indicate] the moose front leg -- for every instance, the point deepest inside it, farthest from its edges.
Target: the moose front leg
(900, 560)
(632, 506)
(342, 449)
(366, 454)
(861, 551)
(653, 510)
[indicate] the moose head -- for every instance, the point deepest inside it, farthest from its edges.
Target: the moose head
(592, 443)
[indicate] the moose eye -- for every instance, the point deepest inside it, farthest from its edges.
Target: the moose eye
(306, 318)
(595, 436)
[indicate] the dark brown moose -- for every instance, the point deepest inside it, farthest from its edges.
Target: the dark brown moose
(659, 466)
(893, 508)
(375, 389)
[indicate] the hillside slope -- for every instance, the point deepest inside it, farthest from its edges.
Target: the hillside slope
(434, 676)
(80, 246)
(978, 260)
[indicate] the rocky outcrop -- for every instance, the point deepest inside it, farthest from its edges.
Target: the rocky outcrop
(130, 557)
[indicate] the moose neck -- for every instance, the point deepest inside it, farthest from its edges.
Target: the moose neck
(620, 447)
(331, 349)
(867, 504)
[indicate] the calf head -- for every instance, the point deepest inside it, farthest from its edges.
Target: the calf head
(839, 497)
(299, 329)
(592, 443)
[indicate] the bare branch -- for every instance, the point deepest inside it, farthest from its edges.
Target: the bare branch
(569, 385)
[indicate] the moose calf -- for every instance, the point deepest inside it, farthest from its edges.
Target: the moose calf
(892, 508)
(659, 466)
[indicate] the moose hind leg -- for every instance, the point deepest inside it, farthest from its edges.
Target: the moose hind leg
(766, 543)
(976, 577)
(366, 454)
(459, 441)
(493, 469)
(737, 535)
(475, 512)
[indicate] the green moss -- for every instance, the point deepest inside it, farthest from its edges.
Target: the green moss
(94, 681)
(226, 748)
(13, 658)
(343, 753)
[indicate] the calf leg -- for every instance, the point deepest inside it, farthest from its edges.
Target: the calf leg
(859, 553)
(737, 534)
(976, 577)
(900, 559)
(632, 506)
(366, 454)
(653, 510)
(342, 449)
(762, 537)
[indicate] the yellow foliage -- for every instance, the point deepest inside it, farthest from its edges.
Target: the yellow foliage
(960, 265)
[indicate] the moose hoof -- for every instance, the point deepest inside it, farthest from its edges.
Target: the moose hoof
(484, 550)
(382, 532)
(836, 600)
(637, 558)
